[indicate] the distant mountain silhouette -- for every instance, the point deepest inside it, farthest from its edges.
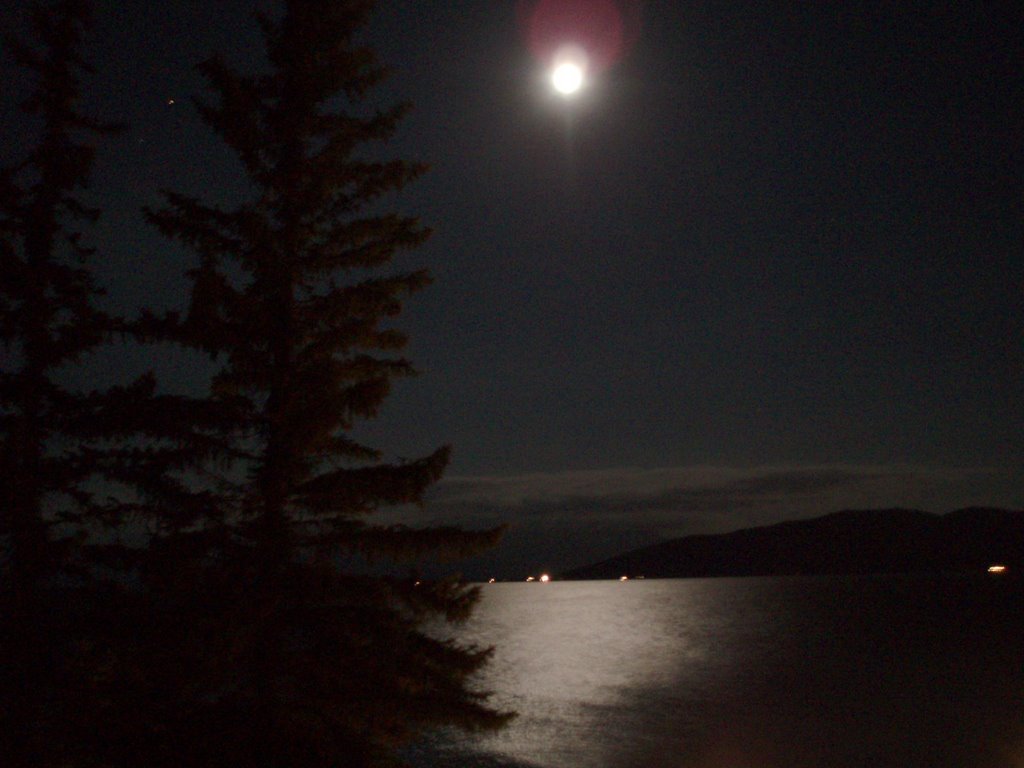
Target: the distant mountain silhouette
(865, 541)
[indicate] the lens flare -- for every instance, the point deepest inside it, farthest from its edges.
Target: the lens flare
(604, 29)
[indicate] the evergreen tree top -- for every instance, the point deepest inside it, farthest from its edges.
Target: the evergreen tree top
(292, 291)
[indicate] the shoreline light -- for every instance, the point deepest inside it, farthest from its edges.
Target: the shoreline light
(997, 569)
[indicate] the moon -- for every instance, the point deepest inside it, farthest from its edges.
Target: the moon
(567, 77)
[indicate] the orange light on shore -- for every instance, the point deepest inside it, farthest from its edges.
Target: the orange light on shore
(623, 578)
(997, 569)
(545, 578)
(530, 578)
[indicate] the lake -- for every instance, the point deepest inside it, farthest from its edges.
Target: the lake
(866, 671)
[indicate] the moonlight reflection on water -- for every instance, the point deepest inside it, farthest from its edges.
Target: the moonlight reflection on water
(881, 671)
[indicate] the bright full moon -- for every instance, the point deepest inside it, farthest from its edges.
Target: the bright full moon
(567, 77)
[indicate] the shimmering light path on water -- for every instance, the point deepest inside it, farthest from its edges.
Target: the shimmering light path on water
(771, 673)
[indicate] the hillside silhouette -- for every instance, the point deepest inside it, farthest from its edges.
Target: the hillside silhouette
(848, 542)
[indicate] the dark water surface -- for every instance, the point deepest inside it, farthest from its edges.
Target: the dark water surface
(870, 671)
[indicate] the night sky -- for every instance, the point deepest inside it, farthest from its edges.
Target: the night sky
(768, 263)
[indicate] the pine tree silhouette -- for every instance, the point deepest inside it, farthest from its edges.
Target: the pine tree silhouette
(54, 441)
(288, 658)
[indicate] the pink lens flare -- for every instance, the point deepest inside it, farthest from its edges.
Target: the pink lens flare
(604, 30)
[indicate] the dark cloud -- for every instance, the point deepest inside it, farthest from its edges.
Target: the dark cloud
(562, 519)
